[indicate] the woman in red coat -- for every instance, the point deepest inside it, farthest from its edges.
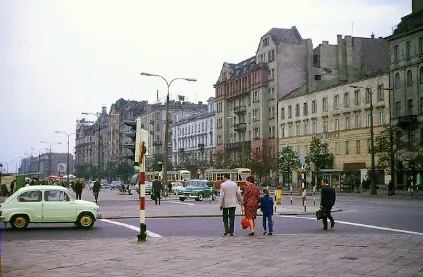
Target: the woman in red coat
(251, 202)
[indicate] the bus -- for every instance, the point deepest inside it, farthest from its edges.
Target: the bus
(238, 175)
(172, 176)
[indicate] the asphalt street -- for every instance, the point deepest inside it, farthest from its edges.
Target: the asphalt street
(371, 217)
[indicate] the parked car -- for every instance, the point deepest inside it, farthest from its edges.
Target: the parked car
(47, 204)
(177, 187)
(148, 188)
(198, 190)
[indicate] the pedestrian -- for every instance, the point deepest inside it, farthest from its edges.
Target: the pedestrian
(157, 189)
(266, 206)
(78, 189)
(251, 202)
(391, 188)
(96, 189)
(327, 200)
(230, 196)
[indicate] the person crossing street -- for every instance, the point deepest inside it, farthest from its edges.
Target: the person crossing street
(157, 189)
(96, 189)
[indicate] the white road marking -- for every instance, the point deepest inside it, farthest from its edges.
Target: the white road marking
(361, 225)
(176, 202)
(135, 228)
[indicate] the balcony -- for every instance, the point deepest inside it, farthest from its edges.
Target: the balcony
(238, 145)
(157, 143)
(240, 110)
(181, 150)
(201, 146)
(408, 122)
(240, 127)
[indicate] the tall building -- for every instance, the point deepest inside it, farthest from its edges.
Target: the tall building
(406, 81)
(153, 120)
(247, 93)
(47, 164)
(193, 140)
(339, 116)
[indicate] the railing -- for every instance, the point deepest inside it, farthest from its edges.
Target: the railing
(240, 109)
(240, 127)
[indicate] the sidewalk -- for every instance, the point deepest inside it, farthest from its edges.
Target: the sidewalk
(323, 254)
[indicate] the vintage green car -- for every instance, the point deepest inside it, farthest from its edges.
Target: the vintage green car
(198, 190)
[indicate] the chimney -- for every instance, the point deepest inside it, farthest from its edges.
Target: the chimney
(373, 35)
(103, 109)
(416, 6)
(325, 42)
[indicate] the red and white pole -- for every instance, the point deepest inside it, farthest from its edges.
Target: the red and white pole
(314, 195)
(303, 189)
(143, 226)
(290, 189)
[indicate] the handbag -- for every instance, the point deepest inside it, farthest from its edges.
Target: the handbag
(320, 214)
(244, 222)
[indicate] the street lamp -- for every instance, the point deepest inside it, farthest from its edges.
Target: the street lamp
(98, 115)
(51, 144)
(67, 158)
(166, 142)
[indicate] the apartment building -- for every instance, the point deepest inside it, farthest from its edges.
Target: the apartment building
(193, 139)
(406, 79)
(85, 144)
(246, 93)
(339, 116)
(153, 120)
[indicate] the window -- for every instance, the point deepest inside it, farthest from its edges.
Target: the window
(368, 120)
(256, 116)
(421, 74)
(368, 95)
(408, 49)
(272, 74)
(305, 109)
(357, 97)
(347, 147)
(347, 123)
(396, 53)
(317, 77)
(282, 113)
(313, 106)
(357, 122)
(410, 106)
(380, 93)
(55, 195)
(337, 147)
(325, 126)
(398, 109)
(157, 127)
(265, 42)
(397, 80)
(357, 147)
(297, 110)
(421, 46)
(421, 105)
(336, 101)
(409, 78)
(381, 119)
(336, 124)
(412, 138)
(314, 127)
(298, 131)
(290, 131)
(325, 104)
(282, 130)
(289, 111)
(346, 100)
(30, 196)
(256, 97)
(305, 128)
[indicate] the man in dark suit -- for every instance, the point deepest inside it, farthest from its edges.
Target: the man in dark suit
(157, 189)
(327, 200)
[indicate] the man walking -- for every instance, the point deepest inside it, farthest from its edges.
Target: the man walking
(230, 196)
(327, 200)
(157, 189)
(78, 189)
(96, 189)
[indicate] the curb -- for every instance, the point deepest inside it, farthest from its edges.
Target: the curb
(202, 216)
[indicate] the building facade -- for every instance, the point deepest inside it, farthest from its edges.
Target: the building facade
(339, 116)
(406, 81)
(47, 164)
(193, 139)
(153, 120)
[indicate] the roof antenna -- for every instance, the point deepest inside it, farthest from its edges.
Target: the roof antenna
(352, 28)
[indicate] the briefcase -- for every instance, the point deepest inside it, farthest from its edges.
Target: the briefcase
(153, 196)
(320, 214)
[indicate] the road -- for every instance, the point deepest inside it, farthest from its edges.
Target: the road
(364, 217)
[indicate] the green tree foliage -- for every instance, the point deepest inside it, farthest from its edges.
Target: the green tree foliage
(288, 162)
(125, 171)
(319, 156)
(262, 162)
(159, 158)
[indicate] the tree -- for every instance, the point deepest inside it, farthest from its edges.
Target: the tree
(319, 157)
(262, 162)
(156, 166)
(288, 162)
(125, 170)
(404, 145)
(221, 159)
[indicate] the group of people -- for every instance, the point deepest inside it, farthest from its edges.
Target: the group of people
(230, 198)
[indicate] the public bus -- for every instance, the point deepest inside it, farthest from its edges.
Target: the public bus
(172, 176)
(238, 175)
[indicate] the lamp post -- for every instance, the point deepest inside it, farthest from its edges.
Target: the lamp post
(166, 142)
(67, 158)
(51, 144)
(98, 115)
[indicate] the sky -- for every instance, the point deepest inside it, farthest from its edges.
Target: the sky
(60, 58)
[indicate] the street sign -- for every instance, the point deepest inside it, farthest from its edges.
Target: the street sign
(302, 160)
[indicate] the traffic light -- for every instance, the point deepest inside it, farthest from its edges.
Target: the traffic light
(139, 138)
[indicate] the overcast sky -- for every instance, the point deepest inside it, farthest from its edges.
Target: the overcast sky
(63, 57)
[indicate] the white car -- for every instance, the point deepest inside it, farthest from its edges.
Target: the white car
(47, 204)
(177, 187)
